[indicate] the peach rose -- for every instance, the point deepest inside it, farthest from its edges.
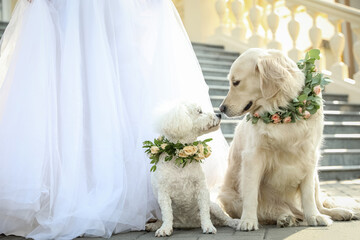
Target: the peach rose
(209, 152)
(154, 150)
(163, 146)
(317, 89)
(307, 115)
(257, 115)
(201, 148)
(190, 150)
(199, 157)
(182, 154)
(276, 118)
(287, 119)
(300, 110)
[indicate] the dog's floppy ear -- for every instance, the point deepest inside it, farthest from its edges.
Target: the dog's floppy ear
(274, 70)
(175, 122)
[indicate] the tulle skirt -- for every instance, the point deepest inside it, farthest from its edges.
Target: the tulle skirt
(79, 83)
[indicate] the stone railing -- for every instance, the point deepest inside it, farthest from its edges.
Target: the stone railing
(293, 26)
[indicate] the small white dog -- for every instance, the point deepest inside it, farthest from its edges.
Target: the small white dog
(182, 192)
(272, 175)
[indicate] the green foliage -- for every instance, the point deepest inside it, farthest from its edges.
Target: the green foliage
(307, 102)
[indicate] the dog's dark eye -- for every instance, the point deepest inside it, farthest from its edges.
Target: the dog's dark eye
(235, 83)
(199, 111)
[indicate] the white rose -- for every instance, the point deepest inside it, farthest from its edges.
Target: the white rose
(190, 150)
(209, 152)
(182, 154)
(201, 148)
(163, 146)
(199, 157)
(154, 150)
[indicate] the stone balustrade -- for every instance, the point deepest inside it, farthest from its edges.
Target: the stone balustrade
(257, 23)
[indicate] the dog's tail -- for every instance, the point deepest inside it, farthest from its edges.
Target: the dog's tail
(340, 209)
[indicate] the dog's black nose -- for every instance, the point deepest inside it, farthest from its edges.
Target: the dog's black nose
(218, 115)
(222, 108)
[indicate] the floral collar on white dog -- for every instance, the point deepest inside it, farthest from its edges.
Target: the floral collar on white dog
(182, 153)
(309, 100)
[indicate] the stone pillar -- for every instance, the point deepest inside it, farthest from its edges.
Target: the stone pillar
(200, 19)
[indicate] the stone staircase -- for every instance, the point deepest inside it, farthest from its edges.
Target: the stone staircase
(341, 148)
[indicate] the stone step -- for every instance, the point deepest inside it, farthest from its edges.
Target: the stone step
(216, 100)
(218, 81)
(214, 57)
(215, 51)
(331, 141)
(215, 72)
(215, 64)
(331, 115)
(2, 27)
(342, 106)
(335, 141)
(339, 172)
(211, 46)
(340, 157)
(341, 127)
(228, 126)
(335, 97)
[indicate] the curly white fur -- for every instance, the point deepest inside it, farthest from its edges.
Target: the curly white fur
(272, 176)
(182, 192)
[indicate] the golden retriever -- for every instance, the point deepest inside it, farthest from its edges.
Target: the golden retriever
(272, 173)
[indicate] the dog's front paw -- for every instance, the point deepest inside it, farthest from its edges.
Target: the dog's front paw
(164, 231)
(319, 220)
(248, 224)
(208, 228)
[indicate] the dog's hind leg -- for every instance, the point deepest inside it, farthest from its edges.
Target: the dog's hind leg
(336, 213)
(286, 217)
(231, 202)
(153, 226)
(221, 218)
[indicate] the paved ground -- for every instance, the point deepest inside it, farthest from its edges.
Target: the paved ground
(339, 230)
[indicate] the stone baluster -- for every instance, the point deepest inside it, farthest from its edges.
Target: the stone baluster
(273, 20)
(264, 23)
(239, 32)
(356, 51)
(315, 35)
(222, 11)
(294, 29)
(255, 16)
(337, 43)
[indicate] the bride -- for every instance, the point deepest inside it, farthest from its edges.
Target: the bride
(79, 82)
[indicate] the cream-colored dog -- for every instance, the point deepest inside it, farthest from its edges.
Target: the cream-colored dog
(181, 192)
(272, 175)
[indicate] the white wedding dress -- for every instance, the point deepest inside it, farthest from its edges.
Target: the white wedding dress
(79, 82)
